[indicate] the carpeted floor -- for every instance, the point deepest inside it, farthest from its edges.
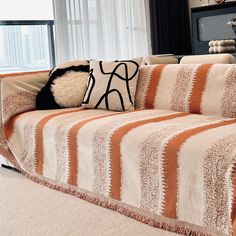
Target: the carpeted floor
(29, 209)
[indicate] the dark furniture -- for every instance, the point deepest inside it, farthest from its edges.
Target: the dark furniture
(212, 23)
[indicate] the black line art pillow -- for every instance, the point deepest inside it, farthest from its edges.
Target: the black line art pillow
(66, 86)
(112, 85)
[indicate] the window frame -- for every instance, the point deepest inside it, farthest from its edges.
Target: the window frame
(50, 31)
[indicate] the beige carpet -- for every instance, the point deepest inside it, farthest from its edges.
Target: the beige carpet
(29, 209)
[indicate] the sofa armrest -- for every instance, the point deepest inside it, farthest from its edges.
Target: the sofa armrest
(18, 92)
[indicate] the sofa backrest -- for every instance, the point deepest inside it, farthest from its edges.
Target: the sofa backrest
(223, 58)
(196, 88)
(159, 59)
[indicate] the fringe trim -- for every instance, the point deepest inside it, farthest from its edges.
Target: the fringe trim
(115, 206)
(150, 219)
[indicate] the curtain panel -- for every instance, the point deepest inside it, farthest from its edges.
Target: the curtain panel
(100, 29)
(170, 27)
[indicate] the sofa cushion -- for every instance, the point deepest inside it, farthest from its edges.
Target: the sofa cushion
(196, 88)
(66, 86)
(149, 161)
(112, 85)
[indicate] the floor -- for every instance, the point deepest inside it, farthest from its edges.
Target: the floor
(29, 209)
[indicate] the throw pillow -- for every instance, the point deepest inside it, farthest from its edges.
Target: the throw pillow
(66, 86)
(112, 85)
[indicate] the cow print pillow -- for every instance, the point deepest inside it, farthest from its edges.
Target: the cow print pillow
(66, 86)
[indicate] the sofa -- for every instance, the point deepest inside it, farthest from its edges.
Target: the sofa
(170, 163)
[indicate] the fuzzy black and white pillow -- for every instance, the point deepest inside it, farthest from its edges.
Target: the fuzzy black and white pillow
(66, 86)
(112, 85)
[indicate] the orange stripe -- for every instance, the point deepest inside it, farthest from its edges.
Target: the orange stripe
(39, 138)
(152, 87)
(115, 150)
(198, 88)
(23, 73)
(170, 165)
(9, 126)
(73, 149)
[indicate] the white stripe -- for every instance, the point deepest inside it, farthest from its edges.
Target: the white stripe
(25, 154)
(131, 143)
(65, 122)
(49, 143)
(85, 162)
(142, 86)
(214, 90)
(190, 175)
(85, 139)
(166, 87)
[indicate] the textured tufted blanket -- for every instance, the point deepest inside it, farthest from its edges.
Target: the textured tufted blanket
(173, 170)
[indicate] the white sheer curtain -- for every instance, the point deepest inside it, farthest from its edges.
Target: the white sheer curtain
(101, 29)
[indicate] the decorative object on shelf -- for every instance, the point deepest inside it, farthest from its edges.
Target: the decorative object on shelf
(219, 1)
(204, 2)
(210, 23)
(232, 22)
(222, 46)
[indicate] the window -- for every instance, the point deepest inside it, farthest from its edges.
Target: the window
(105, 30)
(26, 36)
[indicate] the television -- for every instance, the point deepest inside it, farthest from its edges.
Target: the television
(213, 22)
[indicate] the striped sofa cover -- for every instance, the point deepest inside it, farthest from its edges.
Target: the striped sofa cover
(170, 163)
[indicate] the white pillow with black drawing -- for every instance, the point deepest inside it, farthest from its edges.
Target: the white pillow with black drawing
(112, 85)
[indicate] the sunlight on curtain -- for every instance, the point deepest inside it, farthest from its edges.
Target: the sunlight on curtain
(100, 29)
